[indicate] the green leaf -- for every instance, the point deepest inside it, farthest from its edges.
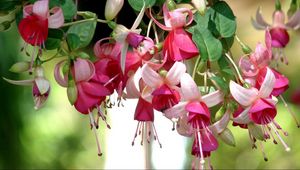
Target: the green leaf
(223, 19)
(221, 83)
(54, 39)
(53, 3)
(85, 31)
(227, 43)
(73, 41)
(210, 48)
(138, 4)
(69, 9)
(83, 55)
(6, 5)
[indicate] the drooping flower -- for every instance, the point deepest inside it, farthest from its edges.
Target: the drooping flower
(37, 19)
(164, 87)
(40, 86)
(195, 107)
(178, 44)
(112, 8)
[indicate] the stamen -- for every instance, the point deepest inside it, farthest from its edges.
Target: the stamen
(135, 134)
(148, 131)
(202, 161)
(290, 111)
(142, 140)
(270, 132)
(95, 133)
(173, 127)
(156, 135)
(263, 151)
(279, 137)
(103, 117)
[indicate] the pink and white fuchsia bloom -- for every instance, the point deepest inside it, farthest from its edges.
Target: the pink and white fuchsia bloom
(196, 109)
(259, 106)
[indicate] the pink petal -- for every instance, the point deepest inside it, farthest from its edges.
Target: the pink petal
(176, 111)
(20, 82)
(56, 20)
(95, 88)
(84, 70)
(133, 87)
(166, 28)
(268, 41)
(220, 125)
(261, 56)
(167, 16)
(147, 94)
(243, 118)
(278, 19)
(175, 73)
(189, 88)
(41, 8)
(280, 37)
(248, 68)
(61, 80)
(151, 77)
(213, 98)
(144, 111)
(198, 111)
(27, 10)
(260, 21)
(281, 83)
(268, 84)
(294, 21)
(242, 95)
(262, 112)
(209, 142)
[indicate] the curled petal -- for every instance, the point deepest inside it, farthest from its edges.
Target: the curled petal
(167, 27)
(189, 12)
(243, 118)
(42, 84)
(260, 21)
(247, 66)
(268, 84)
(56, 20)
(27, 10)
(176, 111)
(151, 77)
(133, 87)
(84, 70)
(20, 82)
(294, 21)
(213, 98)
(147, 94)
(175, 73)
(242, 95)
(41, 8)
(61, 80)
(139, 18)
(220, 125)
(189, 88)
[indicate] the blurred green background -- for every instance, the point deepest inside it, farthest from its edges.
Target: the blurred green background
(59, 137)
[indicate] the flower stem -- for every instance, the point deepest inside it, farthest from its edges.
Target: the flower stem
(236, 68)
(82, 21)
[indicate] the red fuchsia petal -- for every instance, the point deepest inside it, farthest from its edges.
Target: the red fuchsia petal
(94, 88)
(236, 114)
(243, 117)
(34, 29)
(262, 112)
(151, 77)
(167, 16)
(196, 150)
(84, 70)
(132, 63)
(189, 88)
(41, 8)
(60, 79)
(268, 83)
(164, 98)
(27, 10)
(208, 141)
(134, 39)
(242, 95)
(198, 114)
(144, 111)
(280, 37)
(86, 102)
(247, 66)
(278, 19)
(294, 21)
(295, 98)
(213, 98)
(175, 73)
(56, 18)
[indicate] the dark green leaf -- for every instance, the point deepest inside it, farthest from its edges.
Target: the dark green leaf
(85, 31)
(138, 4)
(53, 3)
(6, 5)
(227, 43)
(52, 43)
(69, 9)
(221, 83)
(83, 55)
(210, 48)
(73, 41)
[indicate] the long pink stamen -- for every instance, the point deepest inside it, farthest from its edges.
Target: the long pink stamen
(263, 151)
(156, 135)
(287, 148)
(202, 161)
(136, 133)
(95, 133)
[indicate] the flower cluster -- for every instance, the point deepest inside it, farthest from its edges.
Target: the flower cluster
(171, 73)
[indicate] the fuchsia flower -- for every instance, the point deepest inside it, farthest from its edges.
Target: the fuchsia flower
(144, 112)
(37, 19)
(278, 29)
(40, 86)
(164, 86)
(178, 44)
(254, 67)
(195, 108)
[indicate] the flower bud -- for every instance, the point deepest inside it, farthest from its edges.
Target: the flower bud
(227, 137)
(112, 8)
(200, 5)
(256, 131)
(20, 67)
(72, 92)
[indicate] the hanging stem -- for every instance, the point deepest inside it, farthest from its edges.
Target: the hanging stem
(236, 68)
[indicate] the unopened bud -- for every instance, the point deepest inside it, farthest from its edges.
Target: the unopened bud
(171, 5)
(246, 49)
(256, 131)
(20, 67)
(112, 8)
(227, 137)
(200, 5)
(72, 92)
(39, 72)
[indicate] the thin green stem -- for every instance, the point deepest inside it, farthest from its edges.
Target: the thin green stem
(235, 67)
(195, 67)
(82, 21)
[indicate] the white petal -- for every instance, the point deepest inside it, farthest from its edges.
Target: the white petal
(123, 56)
(41, 8)
(151, 77)
(176, 111)
(242, 95)
(175, 73)
(189, 88)
(259, 18)
(147, 94)
(139, 18)
(20, 82)
(132, 86)
(267, 86)
(56, 20)
(213, 98)
(243, 118)
(220, 125)
(42, 84)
